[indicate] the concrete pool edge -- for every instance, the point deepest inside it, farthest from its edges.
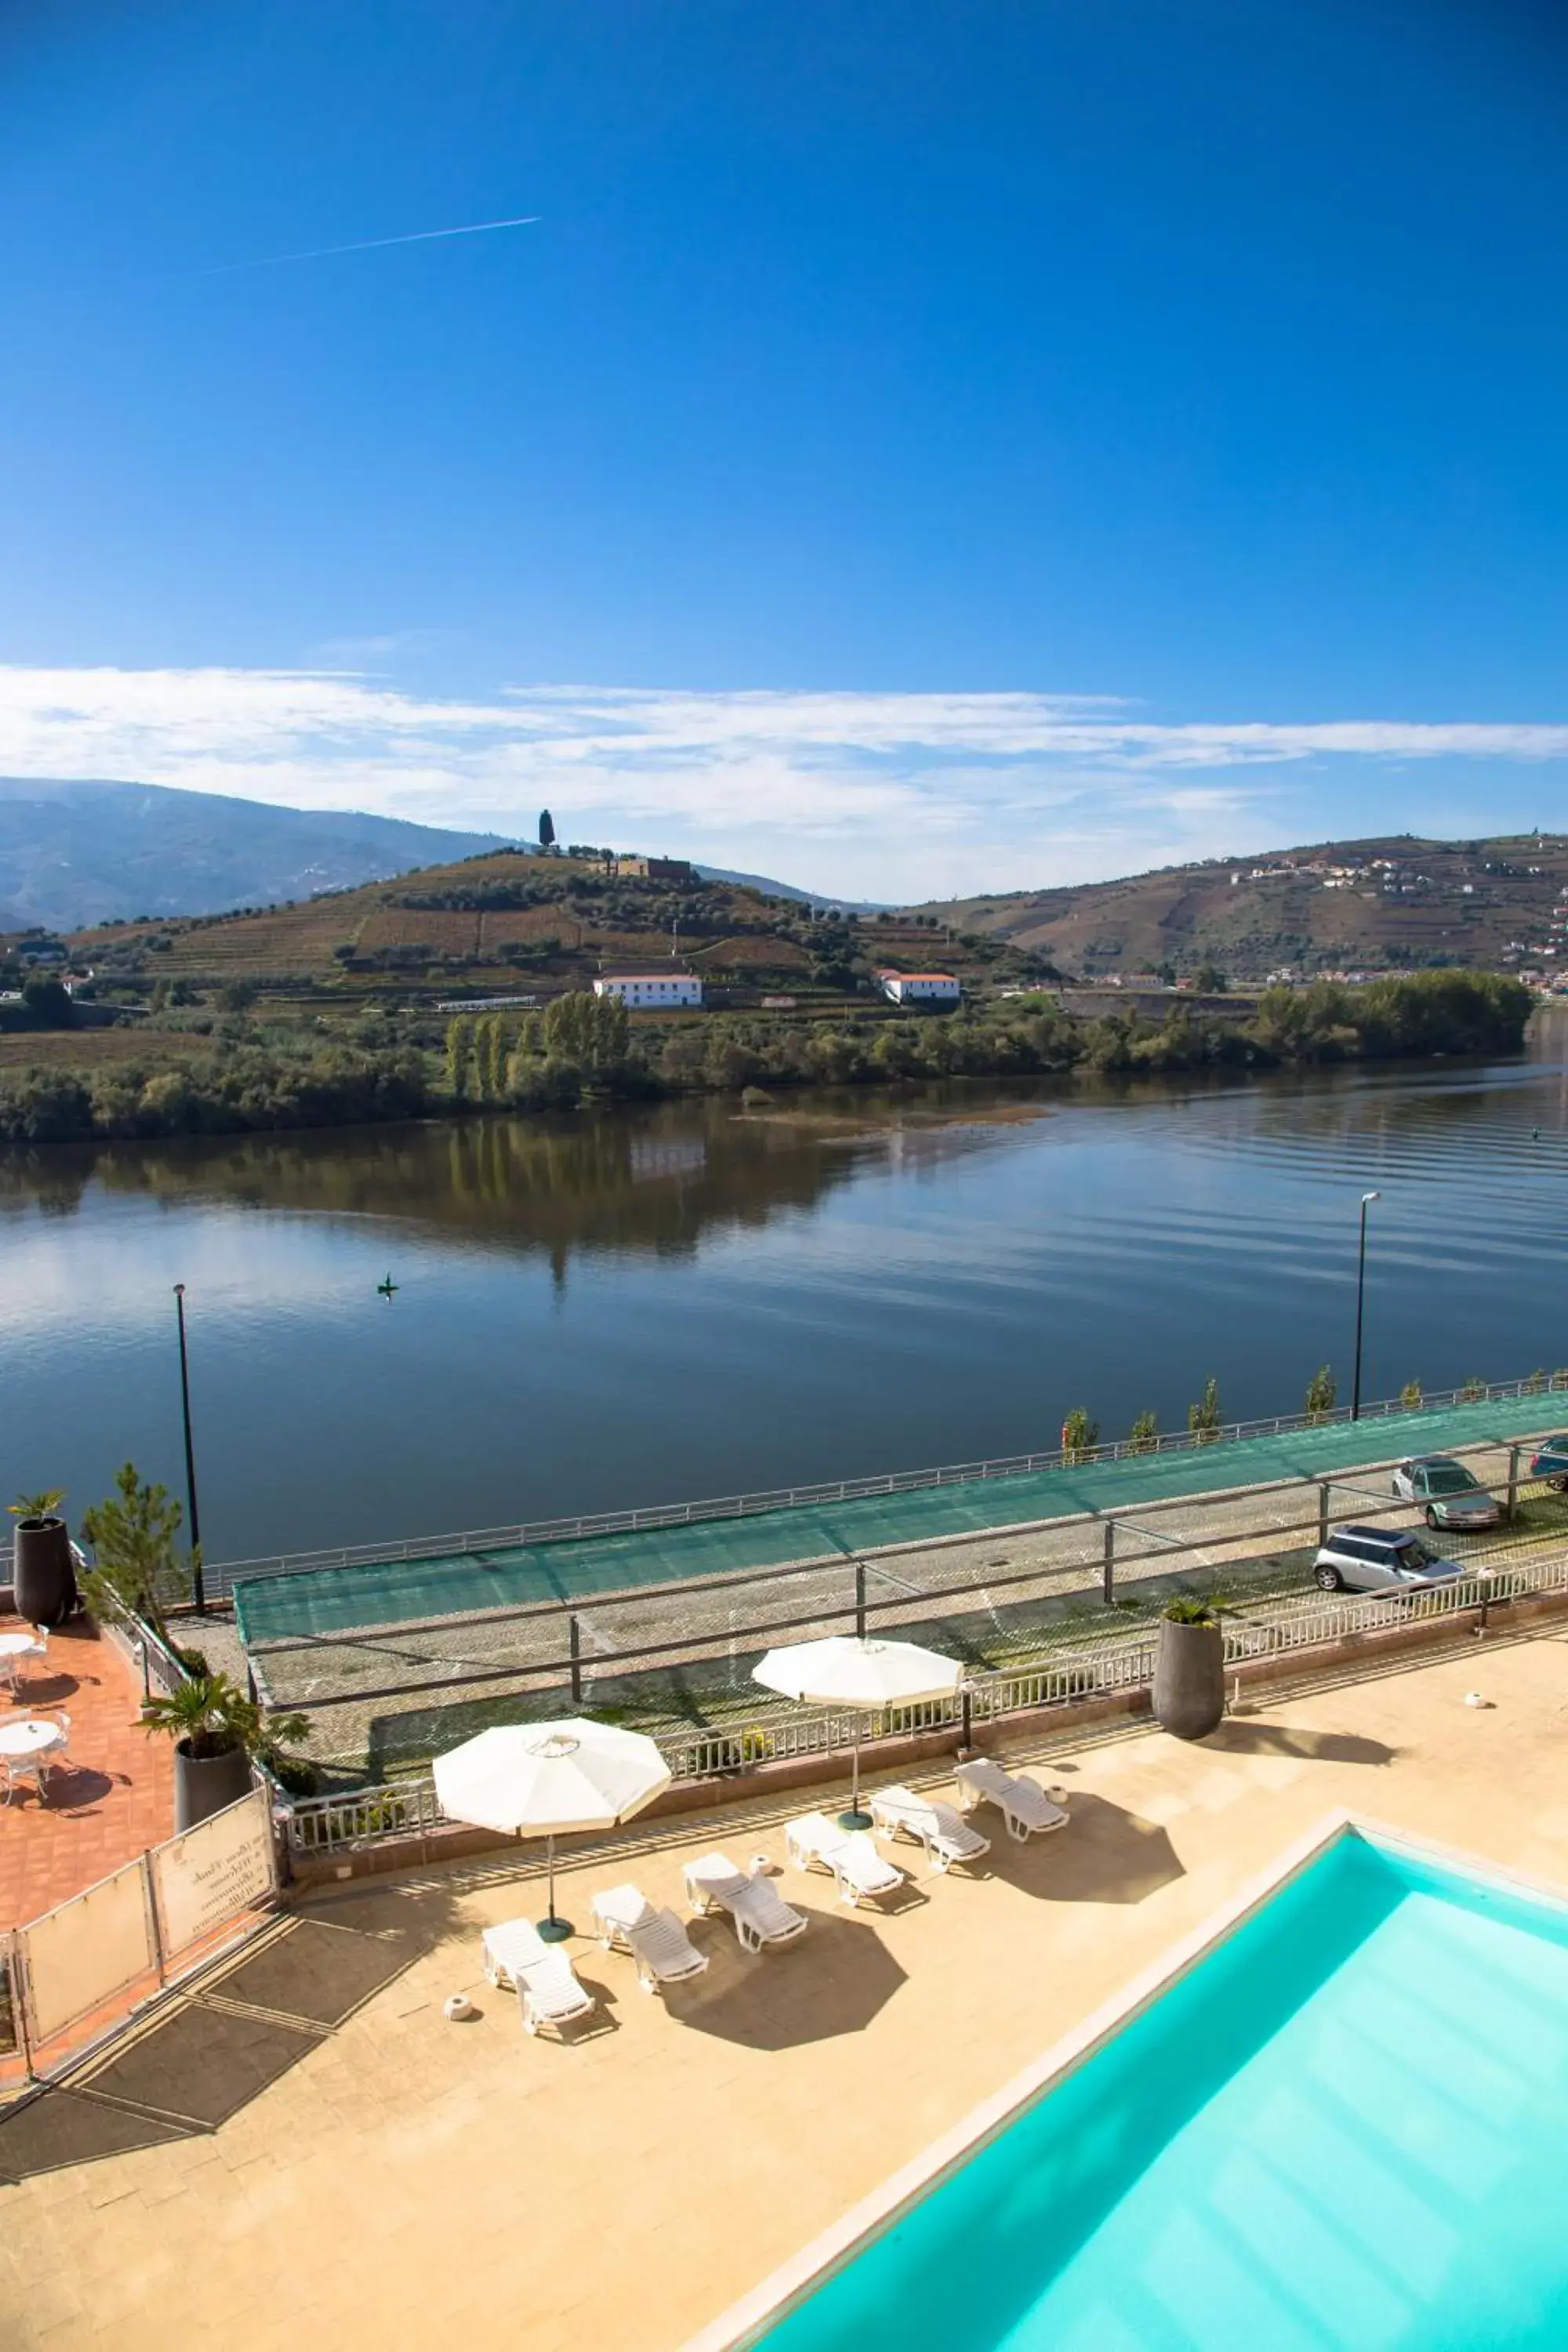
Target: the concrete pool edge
(747, 2322)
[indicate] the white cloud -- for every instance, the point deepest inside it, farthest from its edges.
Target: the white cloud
(873, 794)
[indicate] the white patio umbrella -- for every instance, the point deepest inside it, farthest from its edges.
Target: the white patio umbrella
(545, 1780)
(858, 1671)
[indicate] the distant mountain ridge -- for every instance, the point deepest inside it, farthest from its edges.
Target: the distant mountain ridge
(85, 851)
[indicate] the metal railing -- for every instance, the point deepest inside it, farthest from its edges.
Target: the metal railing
(775, 1735)
(222, 1576)
(587, 1639)
(148, 1652)
(327, 1824)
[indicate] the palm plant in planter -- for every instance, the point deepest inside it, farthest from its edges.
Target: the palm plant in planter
(1189, 1667)
(217, 1731)
(44, 1571)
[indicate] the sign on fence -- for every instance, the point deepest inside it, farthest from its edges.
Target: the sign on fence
(212, 1872)
(85, 1951)
(107, 1950)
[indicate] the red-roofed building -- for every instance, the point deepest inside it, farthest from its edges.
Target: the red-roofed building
(642, 992)
(919, 987)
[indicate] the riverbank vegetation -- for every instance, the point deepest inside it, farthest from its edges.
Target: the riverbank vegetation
(249, 1075)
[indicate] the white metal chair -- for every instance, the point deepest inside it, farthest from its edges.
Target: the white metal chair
(19, 1770)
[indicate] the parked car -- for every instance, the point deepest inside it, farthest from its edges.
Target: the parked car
(1551, 1463)
(1380, 1559)
(1451, 1495)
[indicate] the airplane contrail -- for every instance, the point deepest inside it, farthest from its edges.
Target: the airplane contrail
(370, 244)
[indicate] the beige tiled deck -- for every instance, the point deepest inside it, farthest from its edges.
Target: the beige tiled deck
(284, 2161)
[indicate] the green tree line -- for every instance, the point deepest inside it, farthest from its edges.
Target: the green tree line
(584, 1048)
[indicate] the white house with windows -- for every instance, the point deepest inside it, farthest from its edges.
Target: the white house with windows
(648, 991)
(919, 987)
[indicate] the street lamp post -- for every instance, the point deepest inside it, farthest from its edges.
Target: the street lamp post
(1366, 1201)
(197, 1593)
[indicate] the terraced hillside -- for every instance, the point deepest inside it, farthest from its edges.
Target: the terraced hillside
(515, 922)
(1394, 903)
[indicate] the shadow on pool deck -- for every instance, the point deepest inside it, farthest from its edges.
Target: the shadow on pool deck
(1105, 1854)
(834, 1980)
(1235, 1737)
(198, 2063)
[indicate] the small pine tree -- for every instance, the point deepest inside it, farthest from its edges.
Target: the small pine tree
(132, 1538)
(1203, 1419)
(546, 830)
(1145, 1435)
(1321, 1394)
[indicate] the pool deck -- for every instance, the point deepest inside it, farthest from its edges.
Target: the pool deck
(384, 1593)
(311, 2147)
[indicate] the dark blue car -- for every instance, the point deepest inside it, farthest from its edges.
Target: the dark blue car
(1551, 1463)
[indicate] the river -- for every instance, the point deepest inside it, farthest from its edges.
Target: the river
(695, 1300)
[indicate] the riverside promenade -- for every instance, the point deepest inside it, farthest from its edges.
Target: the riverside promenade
(322, 1602)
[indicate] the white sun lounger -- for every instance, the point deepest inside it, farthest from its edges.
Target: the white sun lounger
(944, 1833)
(1022, 1803)
(663, 1952)
(548, 1991)
(762, 1917)
(850, 1855)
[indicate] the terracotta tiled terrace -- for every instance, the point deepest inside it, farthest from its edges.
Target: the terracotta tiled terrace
(312, 2141)
(110, 1803)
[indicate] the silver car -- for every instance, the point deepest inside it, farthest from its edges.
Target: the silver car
(1380, 1559)
(1450, 1495)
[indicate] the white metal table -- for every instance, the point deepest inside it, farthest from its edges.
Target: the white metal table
(29, 1746)
(14, 1649)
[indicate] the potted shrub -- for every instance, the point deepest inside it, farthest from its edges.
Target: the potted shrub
(216, 1730)
(44, 1574)
(1189, 1667)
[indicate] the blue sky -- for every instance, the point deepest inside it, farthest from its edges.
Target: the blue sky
(916, 447)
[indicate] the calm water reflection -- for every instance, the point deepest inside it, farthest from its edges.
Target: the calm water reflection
(692, 1301)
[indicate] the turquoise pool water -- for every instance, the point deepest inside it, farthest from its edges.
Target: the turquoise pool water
(1347, 2128)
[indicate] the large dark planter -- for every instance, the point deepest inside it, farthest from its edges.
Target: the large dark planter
(206, 1784)
(1189, 1678)
(45, 1574)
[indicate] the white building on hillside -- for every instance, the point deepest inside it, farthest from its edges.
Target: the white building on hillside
(645, 991)
(919, 987)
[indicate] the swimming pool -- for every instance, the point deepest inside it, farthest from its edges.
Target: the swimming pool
(1346, 2125)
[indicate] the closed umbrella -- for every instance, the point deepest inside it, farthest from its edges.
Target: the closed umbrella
(545, 1780)
(858, 1671)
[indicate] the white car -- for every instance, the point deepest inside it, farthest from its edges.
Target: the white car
(1380, 1559)
(1450, 1495)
